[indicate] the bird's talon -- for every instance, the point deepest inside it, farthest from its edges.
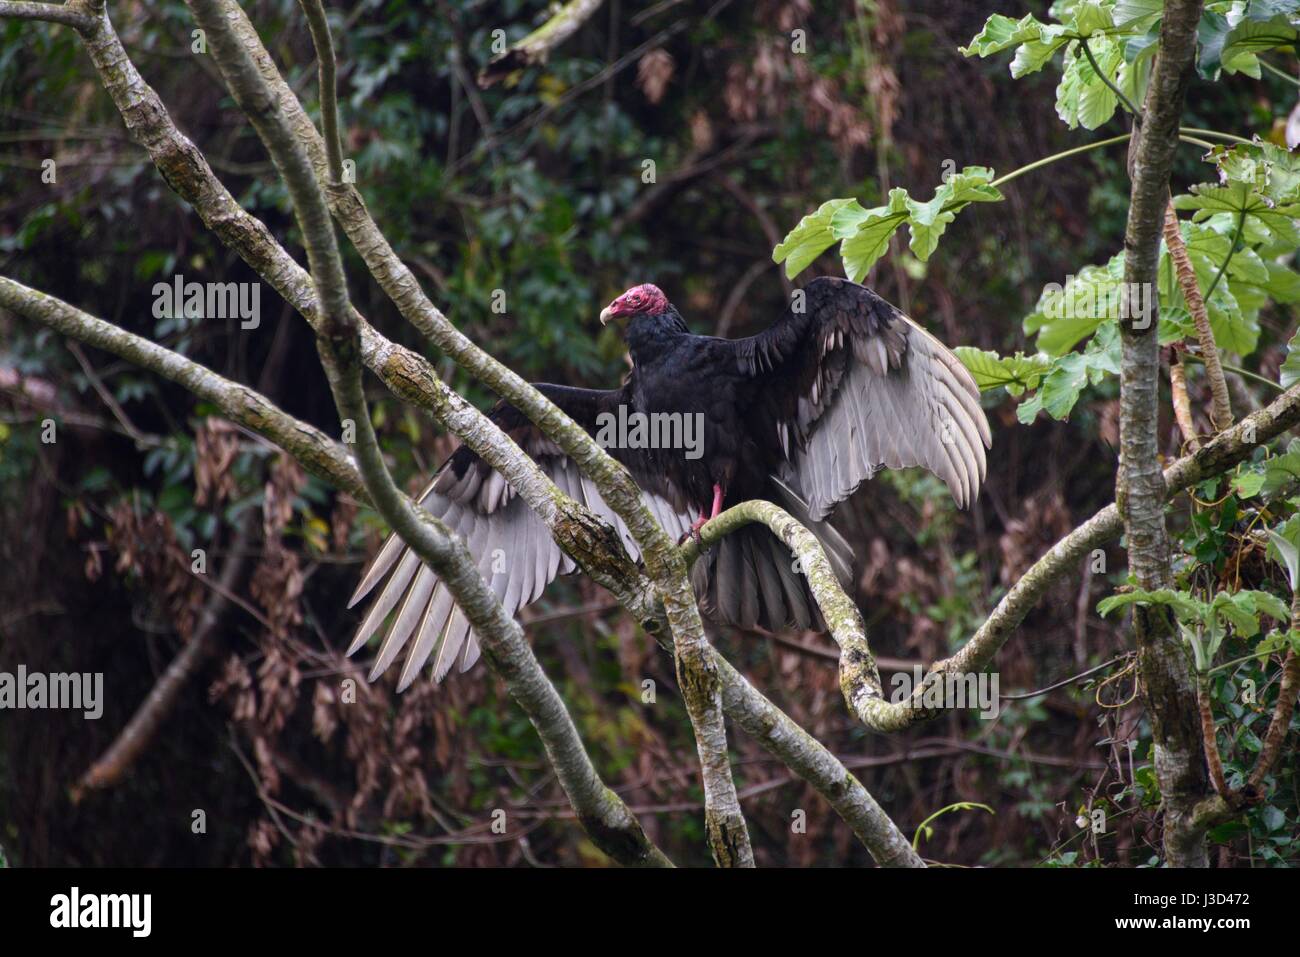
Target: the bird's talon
(694, 532)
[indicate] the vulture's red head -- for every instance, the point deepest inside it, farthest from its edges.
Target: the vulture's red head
(646, 299)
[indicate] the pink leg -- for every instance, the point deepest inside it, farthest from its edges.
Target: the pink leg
(704, 518)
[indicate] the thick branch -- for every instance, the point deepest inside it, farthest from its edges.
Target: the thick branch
(1218, 455)
(601, 812)
(859, 676)
(70, 15)
(316, 451)
(327, 459)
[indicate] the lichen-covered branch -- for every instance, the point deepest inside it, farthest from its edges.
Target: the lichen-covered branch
(312, 448)
(1218, 455)
(606, 818)
(410, 376)
(328, 460)
(536, 47)
(407, 374)
(859, 676)
(68, 14)
(807, 757)
(860, 681)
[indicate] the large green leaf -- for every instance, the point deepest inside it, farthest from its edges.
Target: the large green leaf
(1083, 98)
(865, 233)
(1014, 373)
(1232, 42)
(809, 239)
(1277, 220)
(1069, 374)
(927, 221)
(1069, 312)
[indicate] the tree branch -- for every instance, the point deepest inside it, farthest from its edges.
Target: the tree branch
(69, 14)
(329, 101)
(316, 451)
(859, 676)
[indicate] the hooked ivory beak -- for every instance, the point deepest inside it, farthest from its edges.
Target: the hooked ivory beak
(606, 314)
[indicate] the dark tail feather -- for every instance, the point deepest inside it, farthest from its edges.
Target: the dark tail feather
(749, 580)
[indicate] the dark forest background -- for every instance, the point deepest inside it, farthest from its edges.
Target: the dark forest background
(535, 188)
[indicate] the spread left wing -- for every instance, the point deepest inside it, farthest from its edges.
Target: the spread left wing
(512, 547)
(851, 385)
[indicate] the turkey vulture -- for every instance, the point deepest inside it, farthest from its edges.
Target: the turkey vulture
(842, 385)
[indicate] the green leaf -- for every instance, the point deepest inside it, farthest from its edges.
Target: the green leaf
(1139, 55)
(1090, 17)
(927, 221)
(1277, 220)
(1289, 552)
(1014, 373)
(1182, 603)
(1176, 324)
(1069, 374)
(1247, 484)
(1281, 470)
(1028, 410)
(1001, 32)
(1082, 97)
(809, 239)
(1242, 609)
(1066, 314)
(1212, 34)
(1284, 548)
(1264, 167)
(1138, 13)
(866, 233)
(1283, 283)
(1062, 386)
(1251, 37)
